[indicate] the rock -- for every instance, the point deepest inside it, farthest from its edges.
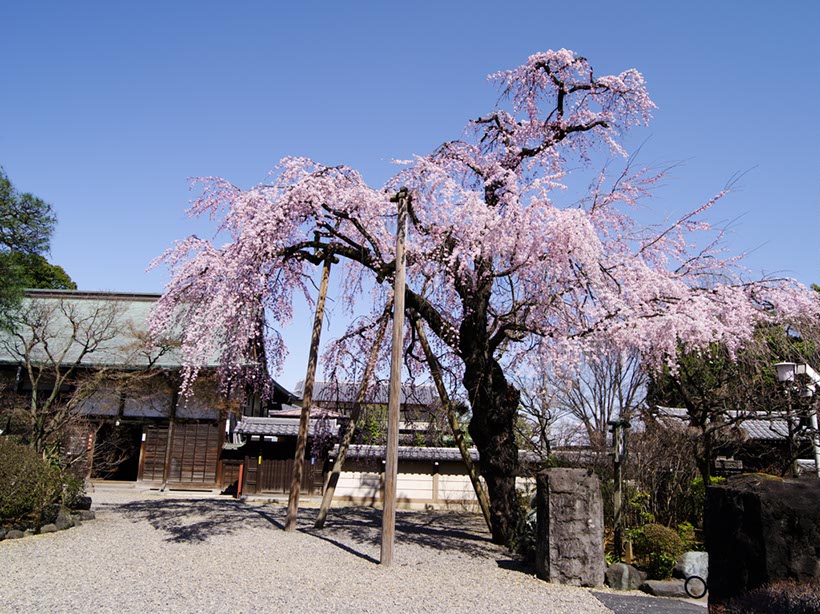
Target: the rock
(570, 528)
(624, 577)
(2, 534)
(48, 528)
(28, 532)
(761, 529)
(692, 564)
(63, 520)
(76, 521)
(15, 534)
(50, 513)
(664, 588)
(82, 503)
(86, 515)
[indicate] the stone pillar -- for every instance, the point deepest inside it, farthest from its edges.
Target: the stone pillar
(760, 529)
(570, 528)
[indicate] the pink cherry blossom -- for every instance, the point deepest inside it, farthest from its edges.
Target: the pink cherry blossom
(502, 275)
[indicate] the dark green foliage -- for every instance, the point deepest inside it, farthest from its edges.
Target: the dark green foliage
(30, 487)
(698, 490)
(26, 226)
(719, 390)
(34, 271)
(657, 549)
(525, 534)
(26, 222)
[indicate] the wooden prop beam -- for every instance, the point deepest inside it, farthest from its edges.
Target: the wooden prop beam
(350, 427)
(392, 450)
(307, 400)
(452, 419)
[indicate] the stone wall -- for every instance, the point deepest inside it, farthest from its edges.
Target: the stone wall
(760, 529)
(570, 528)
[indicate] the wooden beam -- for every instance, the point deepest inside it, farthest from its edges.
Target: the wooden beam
(392, 449)
(452, 419)
(350, 427)
(307, 400)
(166, 469)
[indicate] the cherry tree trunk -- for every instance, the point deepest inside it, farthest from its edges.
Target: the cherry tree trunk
(455, 427)
(494, 404)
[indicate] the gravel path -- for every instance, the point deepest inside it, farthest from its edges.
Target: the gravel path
(167, 553)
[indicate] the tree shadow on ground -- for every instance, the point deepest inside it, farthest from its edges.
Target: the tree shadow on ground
(439, 530)
(356, 530)
(196, 520)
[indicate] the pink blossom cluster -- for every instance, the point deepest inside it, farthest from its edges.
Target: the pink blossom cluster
(556, 280)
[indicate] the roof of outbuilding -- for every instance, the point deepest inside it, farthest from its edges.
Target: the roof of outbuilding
(120, 316)
(377, 394)
(420, 453)
(758, 426)
(283, 427)
(294, 411)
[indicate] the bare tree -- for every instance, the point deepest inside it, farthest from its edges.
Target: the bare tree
(538, 428)
(607, 385)
(67, 350)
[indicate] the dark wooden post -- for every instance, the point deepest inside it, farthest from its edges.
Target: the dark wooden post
(458, 434)
(392, 450)
(166, 470)
(350, 428)
(307, 400)
(619, 455)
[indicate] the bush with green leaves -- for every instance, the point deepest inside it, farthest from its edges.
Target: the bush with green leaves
(30, 487)
(657, 549)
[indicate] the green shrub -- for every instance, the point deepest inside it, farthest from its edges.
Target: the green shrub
(687, 534)
(30, 487)
(525, 536)
(73, 487)
(657, 548)
(699, 491)
(523, 539)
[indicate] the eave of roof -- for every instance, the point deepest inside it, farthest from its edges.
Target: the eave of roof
(421, 453)
(284, 427)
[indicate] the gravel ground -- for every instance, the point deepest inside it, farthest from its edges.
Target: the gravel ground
(173, 553)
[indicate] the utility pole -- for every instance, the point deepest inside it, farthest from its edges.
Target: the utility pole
(392, 450)
(307, 400)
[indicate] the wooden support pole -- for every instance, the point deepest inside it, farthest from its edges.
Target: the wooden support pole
(350, 428)
(455, 427)
(619, 450)
(307, 400)
(618, 542)
(392, 450)
(172, 418)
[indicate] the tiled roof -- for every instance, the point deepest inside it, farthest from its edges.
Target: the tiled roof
(419, 453)
(759, 426)
(128, 313)
(807, 466)
(125, 349)
(292, 411)
(277, 426)
(766, 429)
(378, 393)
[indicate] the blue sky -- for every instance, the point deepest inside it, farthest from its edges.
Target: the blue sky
(108, 108)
